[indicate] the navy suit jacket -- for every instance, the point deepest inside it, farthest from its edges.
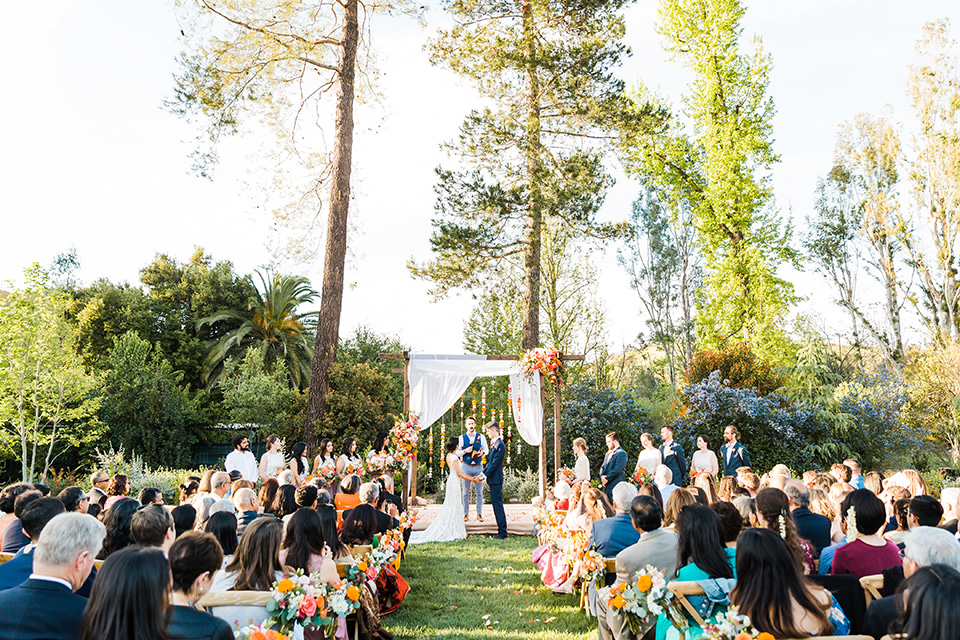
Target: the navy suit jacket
(494, 468)
(41, 610)
(614, 468)
(813, 527)
(674, 458)
(610, 536)
(733, 460)
(15, 572)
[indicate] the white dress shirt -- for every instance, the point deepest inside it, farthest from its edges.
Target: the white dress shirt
(244, 462)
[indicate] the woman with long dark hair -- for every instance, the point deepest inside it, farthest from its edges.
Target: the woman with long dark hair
(328, 527)
(359, 527)
(195, 559)
(348, 458)
(117, 521)
(184, 519)
(777, 597)
(299, 465)
(449, 523)
(129, 599)
(223, 526)
(268, 493)
(189, 488)
(304, 547)
(255, 567)
(285, 502)
(701, 555)
(931, 605)
(325, 460)
(773, 513)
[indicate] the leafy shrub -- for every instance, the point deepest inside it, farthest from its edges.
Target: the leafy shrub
(141, 476)
(358, 395)
(742, 368)
(60, 479)
(591, 412)
(773, 431)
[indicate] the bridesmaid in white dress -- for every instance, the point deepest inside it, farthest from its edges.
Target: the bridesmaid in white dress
(581, 469)
(703, 458)
(649, 458)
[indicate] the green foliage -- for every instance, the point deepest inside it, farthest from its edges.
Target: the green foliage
(252, 395)
(141, 476)
(365, 347)
(144, 405)
(48, 401)
(358, 395)
(270, 322)
(739, 365)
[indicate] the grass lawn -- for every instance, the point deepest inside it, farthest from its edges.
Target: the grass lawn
(454, 585)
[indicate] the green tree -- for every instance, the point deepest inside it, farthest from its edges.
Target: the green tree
(273, 324)
(358, 398)
(145, 407)
(252, 395)
(365, 347)
(721, 168)
(48, 401)
(525, 162)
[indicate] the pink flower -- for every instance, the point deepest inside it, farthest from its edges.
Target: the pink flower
(308, 606)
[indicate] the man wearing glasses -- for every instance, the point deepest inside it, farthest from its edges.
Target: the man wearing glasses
(98, 494)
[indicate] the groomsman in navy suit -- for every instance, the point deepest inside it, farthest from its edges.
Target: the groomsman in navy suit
(614, 464)
(735, 455)
(493, 473)
(671, 454)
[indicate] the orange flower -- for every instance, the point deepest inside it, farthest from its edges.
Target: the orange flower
(362, 566)
(353, 593)
(258, 635)
(618, 602)
(644, 583)
(765, 636)
(275, 635)
(285, 585)
(622, 587)
(743, 636)
(321, 603)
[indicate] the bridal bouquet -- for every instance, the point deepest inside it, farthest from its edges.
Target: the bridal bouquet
(353, 468)
(301, 600)
(327, 473)
(732, 626)
(545, 361)
(566, 475)
(642, 475)
(644, 599)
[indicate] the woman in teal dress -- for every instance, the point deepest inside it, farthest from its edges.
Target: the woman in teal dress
(701, 556)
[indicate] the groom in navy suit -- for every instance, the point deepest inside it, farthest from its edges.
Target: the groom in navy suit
(494, 477)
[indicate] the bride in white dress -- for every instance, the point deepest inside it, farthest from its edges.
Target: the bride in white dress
(449, 523)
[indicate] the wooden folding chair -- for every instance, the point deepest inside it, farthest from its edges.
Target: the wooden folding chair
(610, 566)
(235, 599)
(358, 550)
(871, 587)
(680, 591)
(5, 556)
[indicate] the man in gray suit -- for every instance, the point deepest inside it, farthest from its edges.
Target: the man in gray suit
(656, 547)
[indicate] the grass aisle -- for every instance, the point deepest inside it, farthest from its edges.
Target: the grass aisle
(454, 585)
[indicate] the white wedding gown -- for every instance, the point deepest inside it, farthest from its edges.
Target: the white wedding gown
(449, 523)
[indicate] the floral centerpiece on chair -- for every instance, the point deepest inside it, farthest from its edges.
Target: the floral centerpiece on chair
(545, 361)
(258, 632)
(730, 625)
(302, 600)
(593, 568)
(643, 599)
(404, 437)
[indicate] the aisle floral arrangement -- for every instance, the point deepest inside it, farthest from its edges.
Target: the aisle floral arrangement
(593, 567)
(305, 601)
(643, 599)
(404, 437)
(545, 361)
(732, 626)
(258, 632)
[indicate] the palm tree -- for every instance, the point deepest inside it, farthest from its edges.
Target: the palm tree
(271, 323)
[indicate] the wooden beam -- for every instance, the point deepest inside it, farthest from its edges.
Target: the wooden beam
(543, 440)
(557, 401)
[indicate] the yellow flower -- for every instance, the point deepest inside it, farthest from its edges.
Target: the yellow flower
(644, 583)
(285, 585)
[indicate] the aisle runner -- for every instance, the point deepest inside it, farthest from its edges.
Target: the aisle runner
(519, 519)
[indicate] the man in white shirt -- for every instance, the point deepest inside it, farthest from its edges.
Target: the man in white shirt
(241, 459)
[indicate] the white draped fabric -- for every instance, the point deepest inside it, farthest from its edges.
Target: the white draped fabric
(438, 381)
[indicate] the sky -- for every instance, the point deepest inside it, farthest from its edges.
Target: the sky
(92, 160)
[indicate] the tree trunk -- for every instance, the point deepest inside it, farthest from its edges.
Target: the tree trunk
(331, 295)
(531, 232)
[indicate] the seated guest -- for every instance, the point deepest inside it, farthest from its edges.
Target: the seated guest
(268, 493)
(949, 498)
(874, 482)
(671, 509)
(856, 479)
(195, 559)
(13, 537)
(204, 505)
(387, 495)
(726, 487)
(359, 526)
(901, 511)
(45, 605)
(118, 488)
(700, 556)
(223, 527)
(704, 481)
(369, 492)
(650, 489)
(932, 605)
(748, 510)
(663, 478)
(751, 482)
(150, 495)
(773, 512)
(306, 496)
(34, 518)
(152, 526)
(776, 596)
(328, 527)
(285, 502)
(245, 500)
(925, 511)
(305, 548)
(223, 505)
(610, 536)
(189, 489)
(561, 492)
(730, 521)
(869, 554)
(656, 547)
(117, 521)
(347, 497)
(255, 567)
(810, 526)
(220, 485)
(922, 547)
(184, 519)
(98, 490)
(74, 499)
(130, 598)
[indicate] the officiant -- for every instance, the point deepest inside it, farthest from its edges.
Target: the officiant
(473, 448)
